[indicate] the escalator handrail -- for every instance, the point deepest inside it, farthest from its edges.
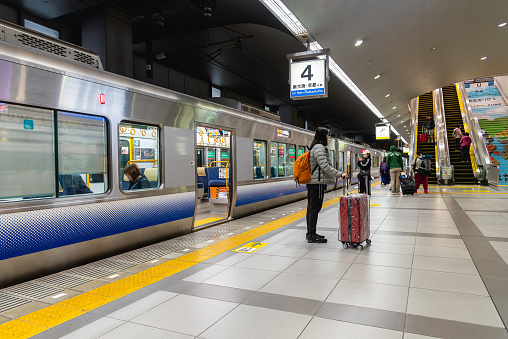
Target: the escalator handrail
(442, 150)
(479, 154)
(413, 108)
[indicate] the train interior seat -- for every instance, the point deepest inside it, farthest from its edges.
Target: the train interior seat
(214, 179)
(258, 172)
(72, 184)
(202, 182)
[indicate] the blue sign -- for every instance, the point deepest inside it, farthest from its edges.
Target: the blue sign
(307, 92)
(28, 124)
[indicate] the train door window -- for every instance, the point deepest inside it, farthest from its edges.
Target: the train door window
(213, 178)
(82, 154)
(27, 165)
(281, 163)
(341, 161)
(140, 145)
(259, 159)
(290, 159)
(331, 153)
(301, 150)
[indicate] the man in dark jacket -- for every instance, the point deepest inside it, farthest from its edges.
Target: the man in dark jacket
(394, 160)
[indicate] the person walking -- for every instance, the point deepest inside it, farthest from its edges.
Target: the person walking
(465, 143)
(422, 166)
(429, 126)
(323, 174)
(394, 160)
(384, 171)
(457, 134)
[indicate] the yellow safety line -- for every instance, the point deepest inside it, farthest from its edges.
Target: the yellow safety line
(206, 221)
(38, 321)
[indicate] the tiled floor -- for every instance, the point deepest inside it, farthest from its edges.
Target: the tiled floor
(423, 276)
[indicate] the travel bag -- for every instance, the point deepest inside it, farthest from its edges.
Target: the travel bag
(354, 220)
(423, 137)
(407, 185)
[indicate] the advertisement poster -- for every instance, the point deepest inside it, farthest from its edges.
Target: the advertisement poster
(489, 107)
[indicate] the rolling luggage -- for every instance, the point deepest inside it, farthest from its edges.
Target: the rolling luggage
(407, 185)
(423, 137)
(354, 220)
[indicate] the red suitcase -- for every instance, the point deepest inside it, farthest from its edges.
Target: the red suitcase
(423, 137)
(354, 220)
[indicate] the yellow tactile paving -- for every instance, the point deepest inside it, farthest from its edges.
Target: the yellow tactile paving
(38, 321)
(86, 302)
(206, 221)
(51, 316)
(20, 329)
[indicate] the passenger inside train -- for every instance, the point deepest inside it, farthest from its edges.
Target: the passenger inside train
(136, 179)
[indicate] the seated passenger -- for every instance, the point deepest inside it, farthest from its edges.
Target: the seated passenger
(73, 184)
(136, 179)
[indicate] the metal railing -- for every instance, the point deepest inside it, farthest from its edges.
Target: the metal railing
(479, 154)
(413, 108)
(444, 169)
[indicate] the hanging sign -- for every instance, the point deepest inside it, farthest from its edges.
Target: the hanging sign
(383, 131)
(308, 79)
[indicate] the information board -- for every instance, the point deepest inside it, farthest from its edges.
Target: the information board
(308, 79)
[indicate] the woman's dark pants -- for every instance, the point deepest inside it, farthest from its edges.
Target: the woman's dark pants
(315, 195)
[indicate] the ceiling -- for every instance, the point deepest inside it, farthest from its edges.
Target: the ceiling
(242, 47)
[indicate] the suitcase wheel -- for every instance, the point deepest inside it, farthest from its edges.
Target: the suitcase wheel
(368, 241)
(359, 247)
(345, 245)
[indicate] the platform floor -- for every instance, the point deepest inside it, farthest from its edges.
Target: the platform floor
(436, 268)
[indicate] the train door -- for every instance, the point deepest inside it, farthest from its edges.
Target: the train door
(213, 175)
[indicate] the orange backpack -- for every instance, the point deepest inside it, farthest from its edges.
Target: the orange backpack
(301, 169)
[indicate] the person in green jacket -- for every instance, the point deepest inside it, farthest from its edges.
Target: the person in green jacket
(395, 164)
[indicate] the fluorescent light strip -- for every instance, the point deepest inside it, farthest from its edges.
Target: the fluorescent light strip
(295, 26)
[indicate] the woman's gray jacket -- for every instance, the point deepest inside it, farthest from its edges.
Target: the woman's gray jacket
(325, 173)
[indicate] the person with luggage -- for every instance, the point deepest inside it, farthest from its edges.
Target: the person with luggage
(323, 174)
(364, 177)
(465, 143)
(422, 166)
(429, 127)
(384, 172)
(457, 134)
(394, 160)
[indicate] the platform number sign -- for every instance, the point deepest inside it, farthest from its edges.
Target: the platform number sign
(308, 79)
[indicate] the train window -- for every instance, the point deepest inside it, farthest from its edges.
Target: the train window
(331, 153)
(27, 152)
(301, 150)
(375, 162)
(341, 161)
(259, 160)
(82, 154)
(139, 144)
(282, 159)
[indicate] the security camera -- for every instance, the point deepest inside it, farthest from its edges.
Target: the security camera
(160, 21)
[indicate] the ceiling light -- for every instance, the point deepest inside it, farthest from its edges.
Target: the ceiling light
(404, 126)
(483, 58)
(386, 96)
(377, 76)
(359, 42)
(398, 116)
(394, 107)
(433, 48)
(503, 24)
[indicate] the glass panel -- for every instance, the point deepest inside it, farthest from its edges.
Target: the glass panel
(281, 157)
(82, 154)
(331, 153)
(290, 160)
(259, 159)
(274, 163)
(341, 161)
(27, 166)
(301, 150)
(140, 143)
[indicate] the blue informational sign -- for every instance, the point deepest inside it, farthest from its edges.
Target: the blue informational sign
(307, 92)
(28, 124)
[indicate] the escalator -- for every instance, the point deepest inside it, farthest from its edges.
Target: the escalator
(463, 170)
(426, 107)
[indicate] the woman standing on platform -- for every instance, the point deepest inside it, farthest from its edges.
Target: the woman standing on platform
(323, 174)
(364, 177)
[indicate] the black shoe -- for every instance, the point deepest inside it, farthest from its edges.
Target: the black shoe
(316, 239)
(307, 236)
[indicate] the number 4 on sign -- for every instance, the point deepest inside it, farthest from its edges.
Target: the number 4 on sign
(307, 73)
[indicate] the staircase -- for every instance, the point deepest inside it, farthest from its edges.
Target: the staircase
(425, 107)
(463, 170)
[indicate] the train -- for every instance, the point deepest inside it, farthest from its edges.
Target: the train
(67, 131)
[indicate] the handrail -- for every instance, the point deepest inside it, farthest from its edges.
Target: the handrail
(155, 161)
(227, 170)
(413, 108)
(478, 153)
(442, 149)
